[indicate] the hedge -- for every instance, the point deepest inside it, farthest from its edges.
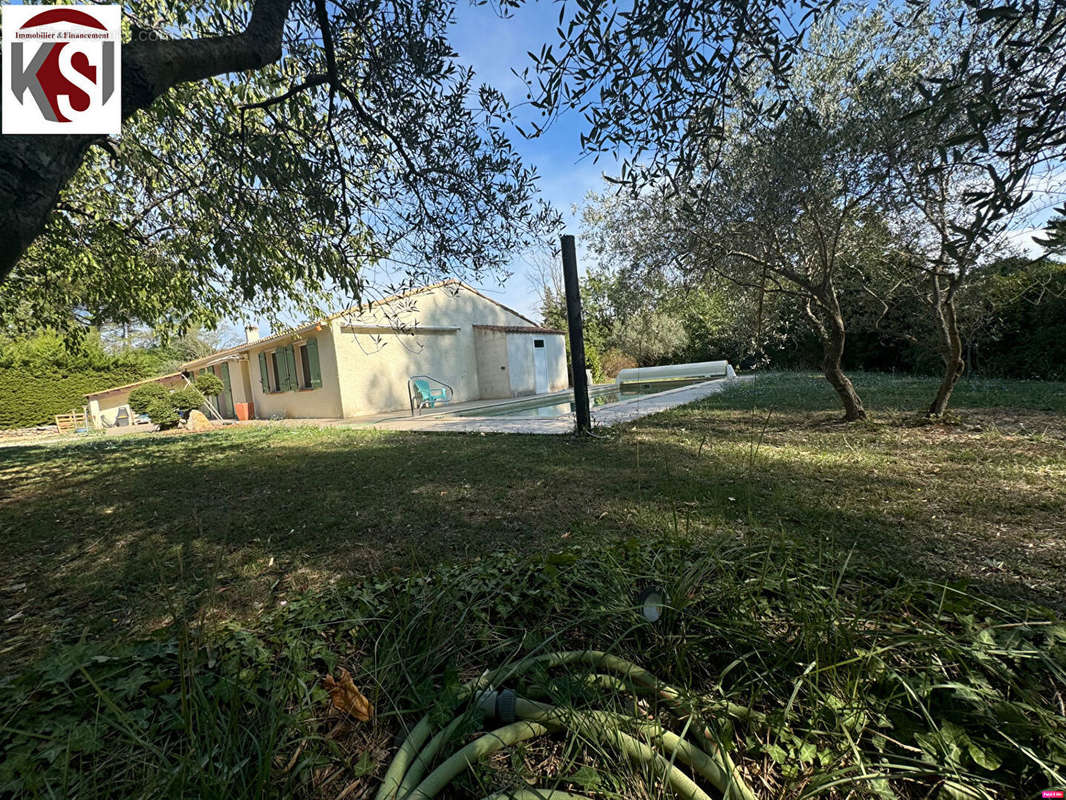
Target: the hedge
(28, 398)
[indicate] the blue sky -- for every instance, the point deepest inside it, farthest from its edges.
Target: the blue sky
(495, 46)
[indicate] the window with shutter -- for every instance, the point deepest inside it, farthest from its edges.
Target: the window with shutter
(303, 366)
(225, 400)
(276, 370)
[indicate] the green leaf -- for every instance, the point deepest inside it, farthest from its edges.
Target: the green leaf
(984, 758)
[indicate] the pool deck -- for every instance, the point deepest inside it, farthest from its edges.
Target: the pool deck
(444, 420)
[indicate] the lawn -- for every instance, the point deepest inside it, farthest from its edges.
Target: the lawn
(796, 537)
(116, 534)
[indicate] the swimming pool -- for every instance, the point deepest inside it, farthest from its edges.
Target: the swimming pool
(560, 404)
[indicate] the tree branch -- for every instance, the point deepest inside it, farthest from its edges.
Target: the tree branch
(34, 169)
(151, 68)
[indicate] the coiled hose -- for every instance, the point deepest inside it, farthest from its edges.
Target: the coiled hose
(656, 748)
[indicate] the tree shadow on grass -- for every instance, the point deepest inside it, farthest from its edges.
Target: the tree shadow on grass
(123, 536)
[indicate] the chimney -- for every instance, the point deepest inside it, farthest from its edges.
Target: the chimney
(251, 333)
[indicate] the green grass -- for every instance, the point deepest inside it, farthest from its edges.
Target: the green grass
(120, 534)
(805, 391)
(884, 592)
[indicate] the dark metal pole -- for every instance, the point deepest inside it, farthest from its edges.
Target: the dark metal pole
(577, 336)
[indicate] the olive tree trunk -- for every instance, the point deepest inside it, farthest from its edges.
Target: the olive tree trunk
(34, 169)
(951, 351)
(833, 354)
(828, 322)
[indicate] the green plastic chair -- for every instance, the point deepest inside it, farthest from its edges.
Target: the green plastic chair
(428, 396)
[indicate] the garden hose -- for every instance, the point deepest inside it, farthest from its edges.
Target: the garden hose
(422, 762)
(527, 719)
(412, 745)
(410, 748)
(645, 679)
(536, 794)
(599, 680)
(473, 752)
(524, 729)
(603, 727)
(591, 723)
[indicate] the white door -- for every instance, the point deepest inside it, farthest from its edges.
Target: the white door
(540, 367)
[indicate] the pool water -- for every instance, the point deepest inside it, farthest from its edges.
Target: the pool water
(557, 407)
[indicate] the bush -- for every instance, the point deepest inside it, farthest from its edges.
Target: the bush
(592, 363)
(186, 398)
(162, 412)
(614, 361)
(143, 396)
(208, 384)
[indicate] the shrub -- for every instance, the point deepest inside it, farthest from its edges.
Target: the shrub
(143, 396)
(592, 363)
(614, 361)
(210, 385)
(162, 412)
(186, 398)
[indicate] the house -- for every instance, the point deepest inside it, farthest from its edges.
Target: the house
(359, 361)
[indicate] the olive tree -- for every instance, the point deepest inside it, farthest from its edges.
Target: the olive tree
(958, 192)
(657, 82)
(272, 150)
(786, 206)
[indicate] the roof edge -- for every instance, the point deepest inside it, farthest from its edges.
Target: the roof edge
(135, 383)
(520, 329)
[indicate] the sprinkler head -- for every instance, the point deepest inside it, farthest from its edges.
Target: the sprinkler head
(651, 603)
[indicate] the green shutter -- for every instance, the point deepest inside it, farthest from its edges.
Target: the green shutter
(263, 372)
(283, 369)
(225, 376)
(290, 369)
(312, 362)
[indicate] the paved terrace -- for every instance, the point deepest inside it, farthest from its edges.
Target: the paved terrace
(444, 419)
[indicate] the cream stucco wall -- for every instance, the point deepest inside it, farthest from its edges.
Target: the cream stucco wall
(520, 359)
(240, 390)
(375, 366)
(239, 383)
(493, 380)
(301, 403)
(558, 378)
